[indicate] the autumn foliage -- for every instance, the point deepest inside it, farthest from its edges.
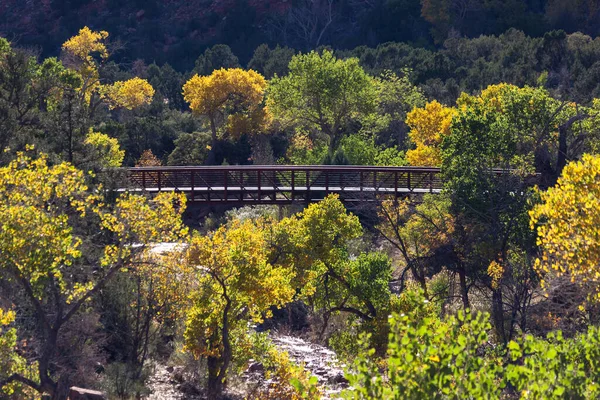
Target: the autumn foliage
(429, 126)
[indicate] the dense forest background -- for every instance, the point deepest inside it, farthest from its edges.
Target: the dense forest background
(176, 31)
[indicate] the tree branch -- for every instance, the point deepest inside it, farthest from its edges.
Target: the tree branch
(22, 379)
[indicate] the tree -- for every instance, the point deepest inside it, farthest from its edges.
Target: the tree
(130, 94)
(55, 258)
(104, 149)
(148, 159)
(231, 99)
(236, 284)
(567, 225)
(27, 89)
(322, 94)
(271, 62)
(217, 57)
(317, 244)
(429, 358)
(503, 128)
(428, 127)
(396, 97)
(307, 23)
(428, 238)
(190, 149)
(73, 116)
(167, 83)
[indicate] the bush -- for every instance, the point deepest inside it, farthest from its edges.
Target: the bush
(430, 359)
(556, 368)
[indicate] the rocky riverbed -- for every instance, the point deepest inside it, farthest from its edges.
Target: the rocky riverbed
(318, 360)
(169, 383)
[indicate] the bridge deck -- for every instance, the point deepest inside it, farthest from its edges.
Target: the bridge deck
(283, 184)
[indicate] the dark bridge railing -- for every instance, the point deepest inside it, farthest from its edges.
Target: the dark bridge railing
(284, 184)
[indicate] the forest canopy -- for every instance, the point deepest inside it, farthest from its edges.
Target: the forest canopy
(486, 287)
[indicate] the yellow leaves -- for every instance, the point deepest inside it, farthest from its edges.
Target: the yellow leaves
(86, 43)
(428, 126)
(38, 204)
(148, 159)
(208, 94)
(81, 50)
(495, 271)
(235, 92)
(6, 317)
(106, 149)
(129, 94)
(11, 360)
(418, 229)
(234, 274)
(165, 280)
(35, 236)
(137, 220)
(568, 221)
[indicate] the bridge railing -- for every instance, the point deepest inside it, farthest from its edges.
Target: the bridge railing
(276, 183)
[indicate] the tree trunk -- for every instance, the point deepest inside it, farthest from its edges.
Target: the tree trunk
(464, 291)
(215, 384)
(498, 314)
(212, 157)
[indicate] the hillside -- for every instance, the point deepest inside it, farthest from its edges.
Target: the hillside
(177, 31)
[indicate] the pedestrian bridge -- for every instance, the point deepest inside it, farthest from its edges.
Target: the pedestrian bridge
(273, 184)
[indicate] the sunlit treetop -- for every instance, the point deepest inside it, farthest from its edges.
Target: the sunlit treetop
(234, 94)
(87, 43)
(82, 50)
(129, 94)
(429, 125)
(105, 149)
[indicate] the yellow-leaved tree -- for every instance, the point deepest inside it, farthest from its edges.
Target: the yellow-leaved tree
(50, 219)
(231, 99)
(85, 54)
(428, 126)
(129, 94)
(236, 284)
(568, 225)
(104, 149)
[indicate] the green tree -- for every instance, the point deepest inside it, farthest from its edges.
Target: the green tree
(190, 149)
(271, 62)
(27, 87)
(506, 127)
(214, 58)
(316, 243)
(397, 95)
(555, 367)
(323, 95)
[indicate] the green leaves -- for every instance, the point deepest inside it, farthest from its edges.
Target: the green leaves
(322, 94)
(431, 359)
(555, 367)
(447, 359)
